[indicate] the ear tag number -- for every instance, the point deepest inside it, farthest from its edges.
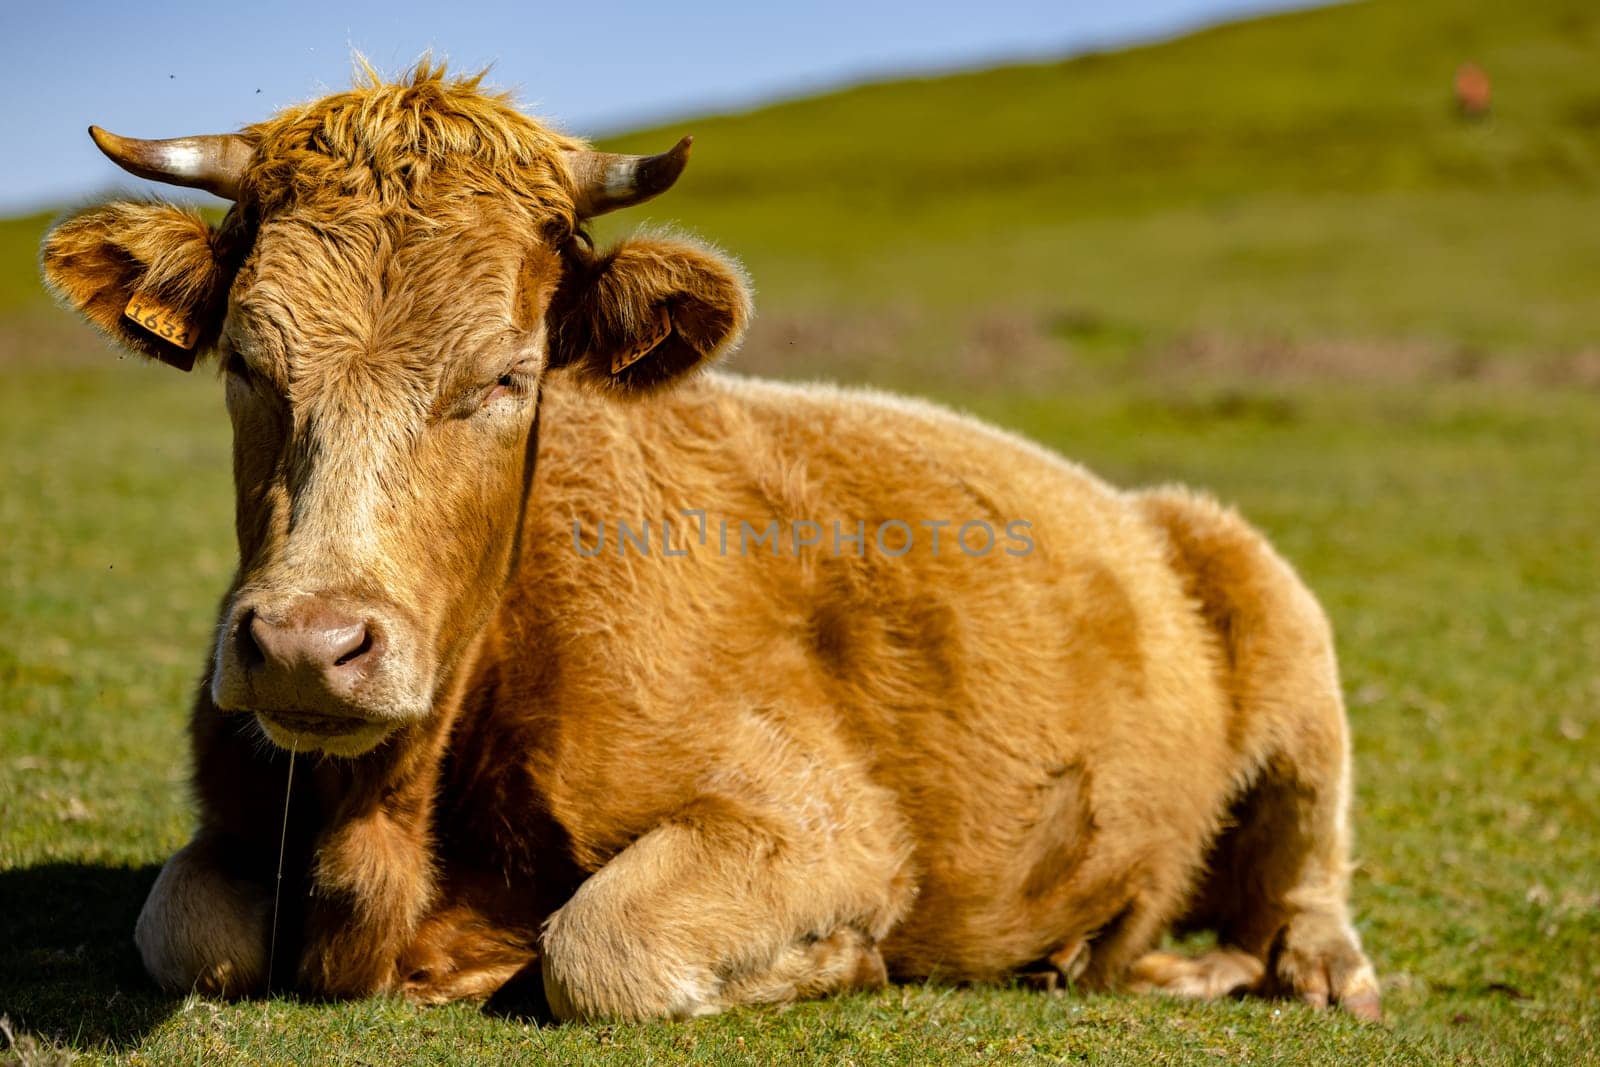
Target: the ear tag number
(629, 356)
(165, 321)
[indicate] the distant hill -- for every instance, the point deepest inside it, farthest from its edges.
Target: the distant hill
(1290, 194)
(19, 255)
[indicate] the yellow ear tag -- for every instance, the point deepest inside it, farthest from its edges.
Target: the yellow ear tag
(166, 322)
(628, 357)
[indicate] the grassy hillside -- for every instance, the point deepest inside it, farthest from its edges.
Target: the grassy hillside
(1292, 180)
(1267, 259)
(1293, 196)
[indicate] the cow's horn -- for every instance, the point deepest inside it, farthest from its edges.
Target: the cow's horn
(607, 181)
(213, 162)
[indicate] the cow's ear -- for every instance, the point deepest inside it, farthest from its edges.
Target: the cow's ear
(149, 275)
(645, 313)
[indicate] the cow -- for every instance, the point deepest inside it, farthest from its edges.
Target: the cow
(654, 686)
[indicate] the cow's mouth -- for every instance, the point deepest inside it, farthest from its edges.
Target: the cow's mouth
(335, 735)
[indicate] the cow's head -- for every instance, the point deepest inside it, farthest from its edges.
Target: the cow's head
(403, 265)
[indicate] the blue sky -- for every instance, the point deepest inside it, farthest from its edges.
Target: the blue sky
(157, 70)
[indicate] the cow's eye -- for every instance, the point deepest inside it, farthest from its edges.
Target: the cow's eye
(236, 366)
(509, 384)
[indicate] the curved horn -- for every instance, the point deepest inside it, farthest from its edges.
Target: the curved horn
(607, 181)
(213, 163)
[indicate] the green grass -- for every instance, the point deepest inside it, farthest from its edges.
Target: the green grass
(1265, 259)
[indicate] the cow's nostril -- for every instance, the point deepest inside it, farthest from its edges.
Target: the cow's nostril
(360, 648)
(248, 649)
(307, 654)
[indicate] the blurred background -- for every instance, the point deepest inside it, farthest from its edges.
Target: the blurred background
(1027, 194)
(1338, 264)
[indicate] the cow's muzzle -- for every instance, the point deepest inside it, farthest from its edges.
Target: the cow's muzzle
(315, 669)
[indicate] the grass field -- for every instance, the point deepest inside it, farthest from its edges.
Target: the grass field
(1266, 259)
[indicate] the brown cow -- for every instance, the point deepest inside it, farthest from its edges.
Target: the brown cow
(662, 682)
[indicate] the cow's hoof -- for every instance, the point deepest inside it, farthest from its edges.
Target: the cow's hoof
(1219, 973)
(458, 954)
(1319, 961)
(202, 932)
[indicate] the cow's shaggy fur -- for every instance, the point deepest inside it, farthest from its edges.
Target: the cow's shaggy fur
(676, 784)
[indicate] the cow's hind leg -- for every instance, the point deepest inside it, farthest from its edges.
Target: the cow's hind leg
(1278, 876)
(1277, 890)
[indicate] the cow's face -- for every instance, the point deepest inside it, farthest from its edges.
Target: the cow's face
(383, 341)
(382, 382)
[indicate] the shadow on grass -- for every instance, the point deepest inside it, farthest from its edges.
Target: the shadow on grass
(68, 968)
(522, 999)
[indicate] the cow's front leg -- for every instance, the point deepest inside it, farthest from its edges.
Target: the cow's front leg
(203, 930)
(717, 907)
